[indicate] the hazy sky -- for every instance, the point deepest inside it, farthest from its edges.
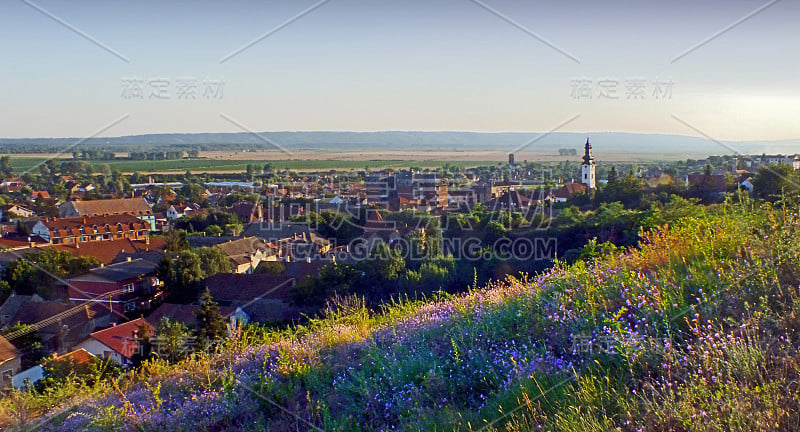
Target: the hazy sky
(400, 65)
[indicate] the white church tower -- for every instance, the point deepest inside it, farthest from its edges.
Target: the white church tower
(588, 168)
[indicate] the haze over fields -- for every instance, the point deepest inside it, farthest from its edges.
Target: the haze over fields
(445, 141)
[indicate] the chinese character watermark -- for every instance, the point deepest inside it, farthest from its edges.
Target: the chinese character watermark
(633, 88)
(181, 88)
(585, 344)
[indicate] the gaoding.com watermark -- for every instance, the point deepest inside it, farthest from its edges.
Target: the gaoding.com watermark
(459, 248)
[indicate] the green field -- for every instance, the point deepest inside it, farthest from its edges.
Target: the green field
(24, 164)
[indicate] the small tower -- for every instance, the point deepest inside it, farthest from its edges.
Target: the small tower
(588, 168)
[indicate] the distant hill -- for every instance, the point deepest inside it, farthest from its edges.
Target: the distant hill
(616, 142)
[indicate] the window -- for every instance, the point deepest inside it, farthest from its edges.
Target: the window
(128, 288)
(130, 306)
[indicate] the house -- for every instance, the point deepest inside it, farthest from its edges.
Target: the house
(264, 298)
(15, 210)
(12, 305)
(305, 269)
(127, 287)
(568, 190)
(748, 184)
(61, 324)
(712, 183)
(32, 375)
(793, 160)
(462, 197)
(187, 314)
(91, 228)
(247, 253)
(511, 200)
(10, 362)
(137, 207)
(113, 251)
(177, 211)
(118, 342)
(229, 289)
(27, 377)
(39, 195)
(247, 211)
(12, 184)
(303, 245)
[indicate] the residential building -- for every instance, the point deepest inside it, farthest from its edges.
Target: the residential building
(187, 314)
(62, 324)
(247, 253)
(125, 287)
(568, 190)
(177, 211)
(137, 207)
(10, 362)
(91, 228)
(12, 305)
(10, 211)
(262, 297)
(118, 342)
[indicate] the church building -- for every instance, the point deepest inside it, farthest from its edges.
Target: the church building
(588, 176)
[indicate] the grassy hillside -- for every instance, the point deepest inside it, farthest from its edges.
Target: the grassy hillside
(695, 330)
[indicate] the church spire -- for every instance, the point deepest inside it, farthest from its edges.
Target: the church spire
(587, 156)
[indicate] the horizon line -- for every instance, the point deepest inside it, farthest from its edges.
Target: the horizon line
(395, 131)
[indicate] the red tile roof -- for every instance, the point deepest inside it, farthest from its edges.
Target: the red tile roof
(121, 338)
(7, 350)
(79, 356)
(43, 194)
(103, 224)
(106, 251)
(132, 206)
(570, 189)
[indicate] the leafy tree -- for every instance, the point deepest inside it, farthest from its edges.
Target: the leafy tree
(271, 267)
(233, 229)
(774, 180)
(29, 344)
(213, 230)
(494, 231)
(175, 241)
(171, 339)
(5, 166)
(214, 260)
(181, 275)
(39, 271)
(385, 262)
(59, 371)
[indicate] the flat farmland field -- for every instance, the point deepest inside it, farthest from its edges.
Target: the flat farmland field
(314, 160)
(26, 164)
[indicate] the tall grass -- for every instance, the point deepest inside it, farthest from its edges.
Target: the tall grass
(697, 329)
